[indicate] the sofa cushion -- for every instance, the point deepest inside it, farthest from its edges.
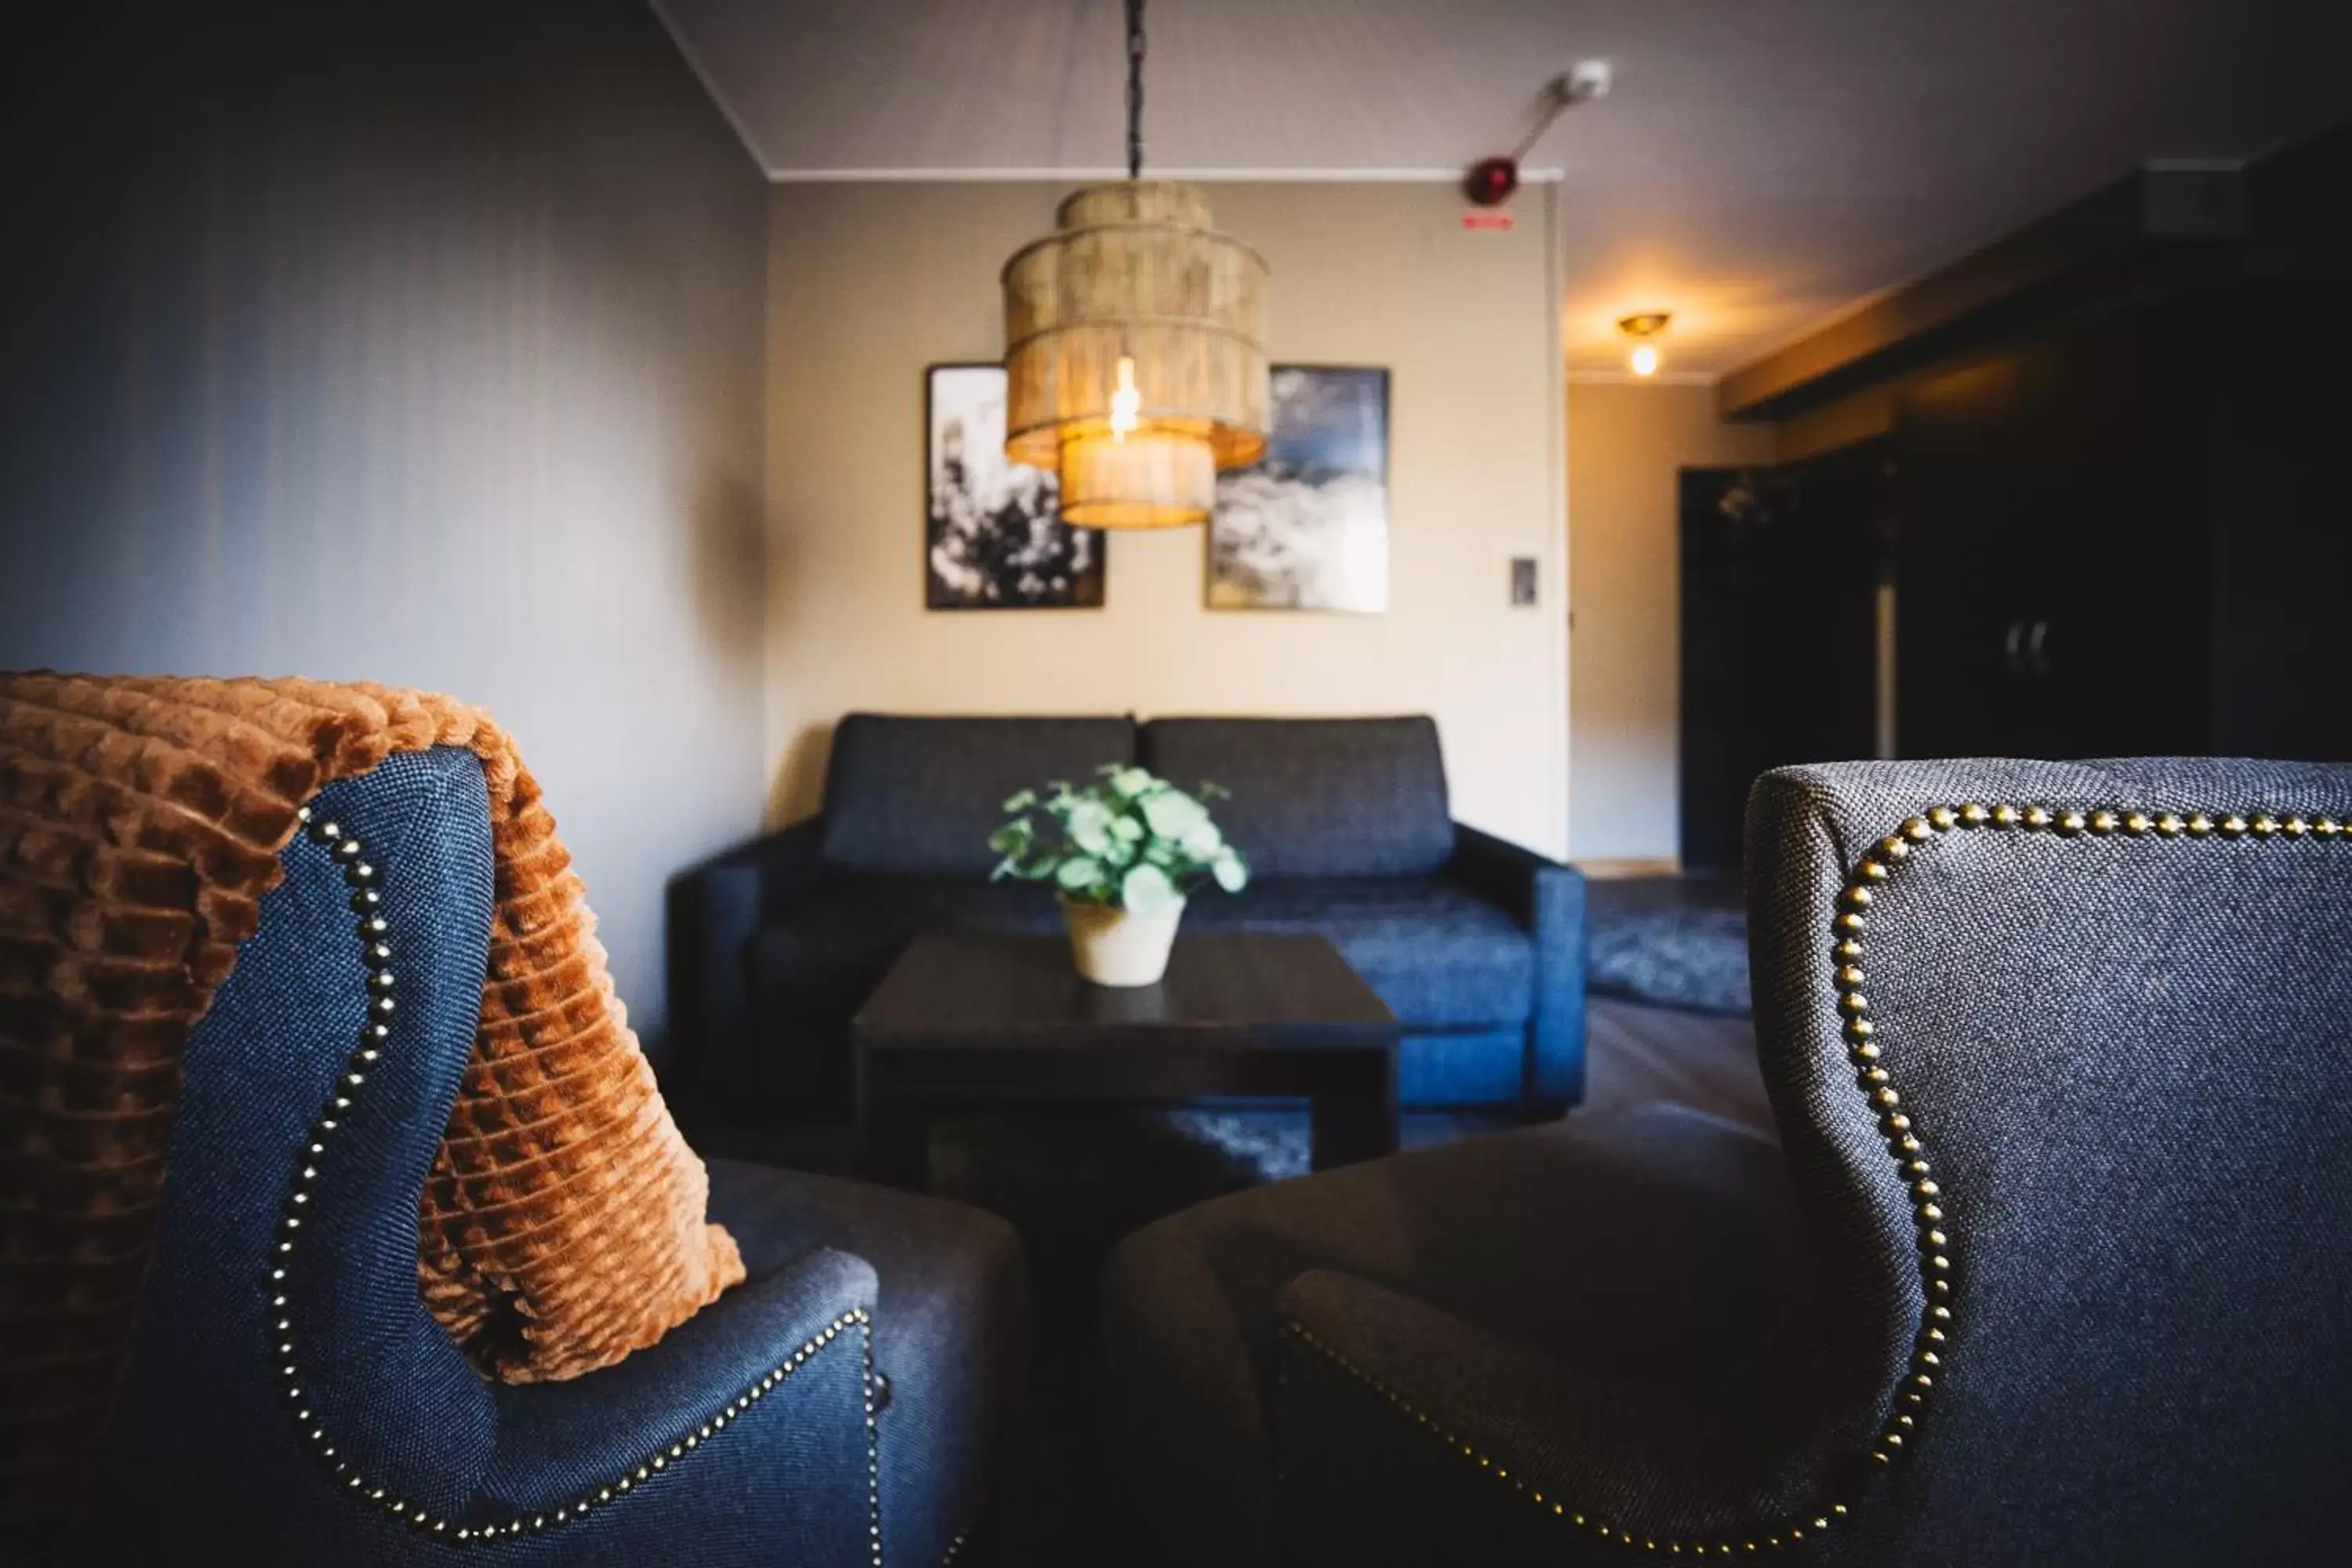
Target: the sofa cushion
(818, 963)
(921, 795)
(1317, 797)
(1438, 955)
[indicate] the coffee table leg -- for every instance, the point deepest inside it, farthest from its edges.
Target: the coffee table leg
(894, 1135)
(1359, 1121)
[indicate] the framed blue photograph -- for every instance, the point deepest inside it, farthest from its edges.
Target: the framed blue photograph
(1307, 528)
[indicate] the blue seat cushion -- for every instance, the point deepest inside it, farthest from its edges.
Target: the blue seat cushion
(1439, 956)
(919, 796)
(819, 962)
(1317, 797)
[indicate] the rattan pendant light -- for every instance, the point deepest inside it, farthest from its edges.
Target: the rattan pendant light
(1135, 345)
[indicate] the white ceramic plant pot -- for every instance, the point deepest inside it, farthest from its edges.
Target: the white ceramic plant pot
(1112, 946)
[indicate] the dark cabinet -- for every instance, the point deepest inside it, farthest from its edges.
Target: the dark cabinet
(2054, 502)
(2127, 533)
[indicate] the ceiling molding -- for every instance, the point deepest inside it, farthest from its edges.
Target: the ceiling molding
(1775, 181)
(1197, 176)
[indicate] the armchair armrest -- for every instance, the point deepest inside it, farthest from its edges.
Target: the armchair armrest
(716, 909)
(1547, 899)
(555, 1436)
(1663, 1364)
(1404, 1433)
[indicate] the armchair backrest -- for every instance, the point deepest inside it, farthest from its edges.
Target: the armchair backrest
(2063, 1058)
(919, 795)
(282, 1333)
(1318, 797)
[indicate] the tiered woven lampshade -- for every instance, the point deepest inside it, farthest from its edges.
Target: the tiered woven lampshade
(1136, 272)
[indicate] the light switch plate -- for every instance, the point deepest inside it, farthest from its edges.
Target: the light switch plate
(1523, 580)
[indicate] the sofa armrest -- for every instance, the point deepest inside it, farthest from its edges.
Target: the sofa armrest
(1547, 899)
(715, 911)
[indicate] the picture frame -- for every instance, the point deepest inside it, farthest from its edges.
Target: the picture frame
(1308, 527)
(992, 535)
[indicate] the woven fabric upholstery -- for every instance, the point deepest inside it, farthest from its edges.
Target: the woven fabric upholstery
(921, 795)
(2123, 1054)
(1530, 1262)
(207, 1461)
(2128, 1056)
(1318, 797)
(563, 1226)
(1439, 956)
(1458, 971)
(778, 942)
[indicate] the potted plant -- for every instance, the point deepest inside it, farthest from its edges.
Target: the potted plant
(1122, 853)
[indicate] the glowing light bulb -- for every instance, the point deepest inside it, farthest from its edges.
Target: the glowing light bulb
(1125, 403)
(1642, 361)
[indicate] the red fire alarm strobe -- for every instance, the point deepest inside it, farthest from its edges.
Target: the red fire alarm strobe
(1487, 220)
(1491, 181)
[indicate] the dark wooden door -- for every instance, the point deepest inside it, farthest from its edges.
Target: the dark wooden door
(1780, 575)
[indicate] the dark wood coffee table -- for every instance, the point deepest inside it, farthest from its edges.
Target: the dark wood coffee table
(978, 1020)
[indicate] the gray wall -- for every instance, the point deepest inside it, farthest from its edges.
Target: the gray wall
(422, 346)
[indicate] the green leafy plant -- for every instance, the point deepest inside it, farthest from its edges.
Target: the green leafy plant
(1129, 838)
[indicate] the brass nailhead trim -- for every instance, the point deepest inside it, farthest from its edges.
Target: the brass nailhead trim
(1933, 1342)
(376, 953)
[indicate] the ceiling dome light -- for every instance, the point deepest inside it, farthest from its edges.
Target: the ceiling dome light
(1642, 327)
(1135, 345)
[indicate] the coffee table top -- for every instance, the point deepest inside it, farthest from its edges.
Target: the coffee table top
(989, 991)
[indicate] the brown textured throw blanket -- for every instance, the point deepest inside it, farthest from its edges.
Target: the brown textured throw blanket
(140, 824)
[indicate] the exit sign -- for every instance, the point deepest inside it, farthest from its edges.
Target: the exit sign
(1488, 220)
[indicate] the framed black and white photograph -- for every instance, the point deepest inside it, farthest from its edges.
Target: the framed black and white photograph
(1308, 527)
(993, 537)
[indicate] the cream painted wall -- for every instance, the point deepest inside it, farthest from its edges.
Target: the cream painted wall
(1626, 440)
(867, 284)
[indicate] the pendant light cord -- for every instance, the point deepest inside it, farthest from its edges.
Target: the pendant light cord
(1134, 89)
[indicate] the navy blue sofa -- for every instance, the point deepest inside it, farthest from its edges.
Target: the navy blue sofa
(290, 1400)
(2049, 1264)
(1477, 945)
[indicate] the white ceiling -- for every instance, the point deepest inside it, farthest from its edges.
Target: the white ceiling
(1761, 165)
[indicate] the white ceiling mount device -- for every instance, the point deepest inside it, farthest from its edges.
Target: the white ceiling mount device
(1491, 181)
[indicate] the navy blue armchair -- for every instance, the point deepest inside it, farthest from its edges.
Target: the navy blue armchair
(290, 1400)
(2050, 1265)
(1477, 945)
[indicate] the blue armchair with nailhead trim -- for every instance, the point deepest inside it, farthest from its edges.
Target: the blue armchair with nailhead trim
(2051, 1263)
(289, 1399)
